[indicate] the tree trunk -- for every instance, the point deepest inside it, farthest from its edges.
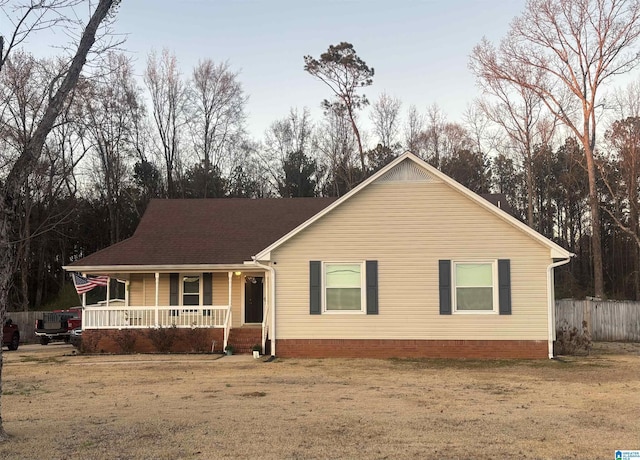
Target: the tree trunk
(596, 240)
(529, 190)
(356, 131)
(10, 193)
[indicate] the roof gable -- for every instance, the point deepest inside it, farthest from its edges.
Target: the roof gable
(408, 167)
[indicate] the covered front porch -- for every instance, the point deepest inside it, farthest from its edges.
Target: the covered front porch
(186, 298)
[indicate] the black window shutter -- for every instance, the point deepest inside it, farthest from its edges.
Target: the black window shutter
(444, 267)
(372, 287)
(207, 289)
(315, 287)
(504, 286)
(174, 289)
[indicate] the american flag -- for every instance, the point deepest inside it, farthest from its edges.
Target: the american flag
(85, 284)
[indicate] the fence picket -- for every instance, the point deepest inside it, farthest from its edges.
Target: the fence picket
(607, 321)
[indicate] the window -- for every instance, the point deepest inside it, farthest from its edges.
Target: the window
(474, 286)
(343, 287)
(191, 290)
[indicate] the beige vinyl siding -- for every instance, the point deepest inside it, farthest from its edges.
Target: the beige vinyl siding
(136, 290)
(142, 291)
(149, 290)
(407, 226)
(221, 294)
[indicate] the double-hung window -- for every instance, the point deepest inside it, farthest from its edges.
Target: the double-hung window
(475, 287)
(191, 290)
(343, 287)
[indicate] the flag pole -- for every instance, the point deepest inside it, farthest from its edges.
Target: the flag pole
(84, 296)
(108, 289)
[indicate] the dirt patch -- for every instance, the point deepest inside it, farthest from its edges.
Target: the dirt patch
(60, 406)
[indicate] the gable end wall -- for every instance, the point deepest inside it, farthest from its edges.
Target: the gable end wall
(407, 226)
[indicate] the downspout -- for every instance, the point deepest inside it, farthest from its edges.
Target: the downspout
(272, 301)
(551, 326)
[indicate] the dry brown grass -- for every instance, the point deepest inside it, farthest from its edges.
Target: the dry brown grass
(197, 406)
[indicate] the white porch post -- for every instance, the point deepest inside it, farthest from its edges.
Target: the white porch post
(230, 285)
(157, 295)
(108, 289)
(126, 292)
(229, 317)
(84, 295)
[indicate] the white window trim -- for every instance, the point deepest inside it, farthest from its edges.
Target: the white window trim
(363, 290)
(494, 275)
(200, 287)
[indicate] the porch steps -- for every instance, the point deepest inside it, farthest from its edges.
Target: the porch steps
(242, 339)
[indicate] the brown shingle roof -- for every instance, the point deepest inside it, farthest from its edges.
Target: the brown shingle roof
(209, 231)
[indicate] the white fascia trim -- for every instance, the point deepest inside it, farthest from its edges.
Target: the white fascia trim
(556, 251)
(154, 268)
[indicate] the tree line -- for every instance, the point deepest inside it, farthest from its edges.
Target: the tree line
(541, 134)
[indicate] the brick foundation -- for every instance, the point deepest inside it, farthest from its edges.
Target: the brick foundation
(373, 348)
(189, 340)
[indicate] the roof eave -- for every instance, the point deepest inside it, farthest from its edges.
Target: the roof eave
(153, 268)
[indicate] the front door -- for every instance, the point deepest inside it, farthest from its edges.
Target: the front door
(253, 298)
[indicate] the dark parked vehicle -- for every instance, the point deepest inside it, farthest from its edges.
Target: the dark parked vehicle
(58, 325)
(10, 335)
(75, 337)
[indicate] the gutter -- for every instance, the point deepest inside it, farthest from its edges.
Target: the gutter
(551, 317)
(272, 301)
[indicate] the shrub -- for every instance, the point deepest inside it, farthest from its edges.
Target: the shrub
(126, 340)
(199, 338)
(571, 340)
(162, 338)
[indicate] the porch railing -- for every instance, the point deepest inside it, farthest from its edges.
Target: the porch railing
(217, 316)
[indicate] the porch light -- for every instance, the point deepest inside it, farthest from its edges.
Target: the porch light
(238, 273)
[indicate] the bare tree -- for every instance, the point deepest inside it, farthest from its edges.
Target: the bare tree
(522, 115)
(168, 98)
(385, 118)
(36, 15)
(478, 125)
(414, 140)
(111, 103)
(342, 70)
(577, 46)
(627, 101)
(287, 142)
(434, 135)
(23, 89)
(217, 103)
(338, 157)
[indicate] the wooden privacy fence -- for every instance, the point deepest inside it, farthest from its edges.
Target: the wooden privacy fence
(607, 321)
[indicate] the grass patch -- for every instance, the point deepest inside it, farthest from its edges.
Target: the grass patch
(254, 394)
(34, 359)
(437, 363)
(24, 390)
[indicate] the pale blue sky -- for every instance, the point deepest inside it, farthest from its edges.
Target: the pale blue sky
(419, 48)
